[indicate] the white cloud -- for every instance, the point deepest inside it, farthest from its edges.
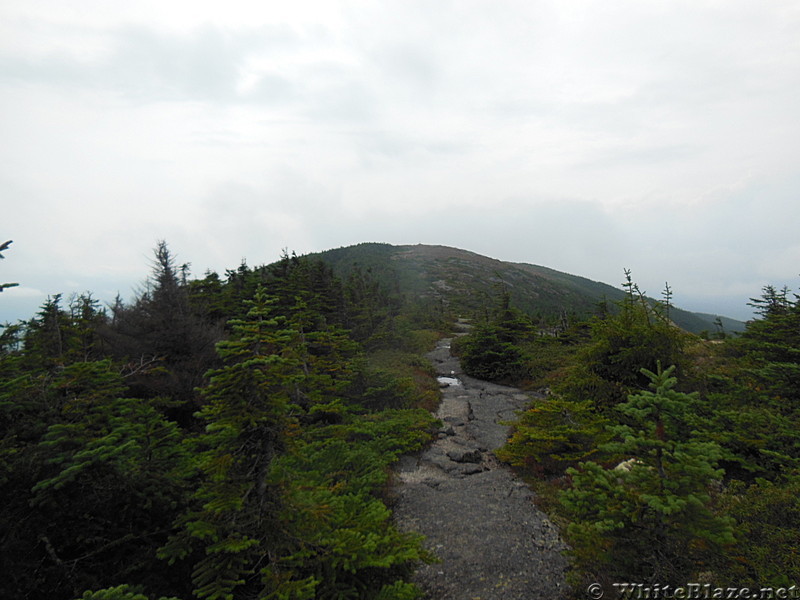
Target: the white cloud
(587, 136)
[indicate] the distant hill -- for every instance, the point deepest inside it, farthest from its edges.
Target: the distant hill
(467, 282)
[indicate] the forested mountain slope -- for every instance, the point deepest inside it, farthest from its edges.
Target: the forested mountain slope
(466, 282)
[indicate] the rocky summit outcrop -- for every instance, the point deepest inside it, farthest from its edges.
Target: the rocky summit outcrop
(478, 518)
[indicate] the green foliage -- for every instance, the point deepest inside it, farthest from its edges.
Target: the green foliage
(554, 434)
(398, 590)
(486, 356)
(372, 309)
(596, 369)
(94, 497)
(287, 504)
(493, 350)
(639, 336)
(246, 416)
(768, 529)
(59, 336)
(345, 545)
(261, 476)
(753, 397)
(122, 434)
(771, 346)
(659, 520)
(389, 379)
(653, 520)
(547, 356)
(752, 390)
(166, 344)
(120, 592)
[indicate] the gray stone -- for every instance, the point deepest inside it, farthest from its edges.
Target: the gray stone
(465, 455)
(470, 469)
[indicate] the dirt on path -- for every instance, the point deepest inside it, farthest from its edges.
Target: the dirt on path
(478, 518)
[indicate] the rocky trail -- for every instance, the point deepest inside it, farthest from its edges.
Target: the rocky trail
(478, 518)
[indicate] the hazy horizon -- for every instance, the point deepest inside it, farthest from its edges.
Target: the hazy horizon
(21, 307)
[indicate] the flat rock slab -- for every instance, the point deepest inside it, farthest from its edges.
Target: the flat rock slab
(478, 519)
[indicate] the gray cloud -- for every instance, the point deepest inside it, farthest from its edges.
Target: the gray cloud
(586, 137)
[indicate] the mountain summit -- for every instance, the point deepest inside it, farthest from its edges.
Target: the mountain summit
(467, 282)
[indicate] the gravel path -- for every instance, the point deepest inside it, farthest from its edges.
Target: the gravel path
(477, 517)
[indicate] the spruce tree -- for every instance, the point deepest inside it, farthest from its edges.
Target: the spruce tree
(554, 434)
(772, 346)
(234, 528)
(89, 487)
(651, 519)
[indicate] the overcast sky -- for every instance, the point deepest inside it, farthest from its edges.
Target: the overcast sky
(586, 136)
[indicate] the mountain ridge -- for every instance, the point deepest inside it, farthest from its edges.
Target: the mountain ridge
(469, 282)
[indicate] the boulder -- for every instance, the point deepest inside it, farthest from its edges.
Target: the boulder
(465, 455)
